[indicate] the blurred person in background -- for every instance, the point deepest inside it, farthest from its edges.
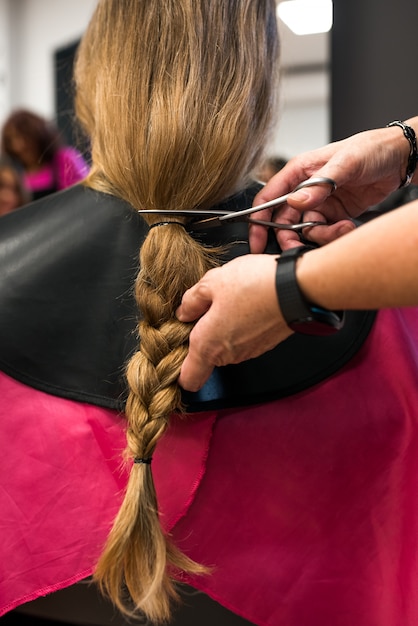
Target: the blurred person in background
(269, 167)
(34, 144)
(13, 193)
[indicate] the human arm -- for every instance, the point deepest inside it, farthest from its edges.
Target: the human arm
(373, 267)
(366, 167)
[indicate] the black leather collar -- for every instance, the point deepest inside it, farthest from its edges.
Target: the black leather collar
(68, 316)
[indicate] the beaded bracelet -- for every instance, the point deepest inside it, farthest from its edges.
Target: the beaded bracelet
(413, 151)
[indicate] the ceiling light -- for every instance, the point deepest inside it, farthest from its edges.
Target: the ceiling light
(306, 17)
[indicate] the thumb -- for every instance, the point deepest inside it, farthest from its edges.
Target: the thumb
(195, 371)
(195, 302)
(311, 196)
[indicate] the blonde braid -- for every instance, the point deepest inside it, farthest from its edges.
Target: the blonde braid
(138, 555)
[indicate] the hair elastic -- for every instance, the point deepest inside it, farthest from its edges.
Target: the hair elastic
(145, 461)
(166, 224)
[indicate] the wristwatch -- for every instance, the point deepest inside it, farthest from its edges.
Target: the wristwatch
(300, 315)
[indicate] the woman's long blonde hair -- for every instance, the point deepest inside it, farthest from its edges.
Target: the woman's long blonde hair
(177, 97)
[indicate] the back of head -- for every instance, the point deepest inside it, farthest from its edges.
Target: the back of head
(36, 130)
(177, 97)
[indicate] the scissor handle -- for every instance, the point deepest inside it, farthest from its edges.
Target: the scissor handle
(296, 227)
(316, 180)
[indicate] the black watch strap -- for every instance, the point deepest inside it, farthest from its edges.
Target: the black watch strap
(300, 315)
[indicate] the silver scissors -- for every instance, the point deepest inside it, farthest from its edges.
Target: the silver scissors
(203, 219)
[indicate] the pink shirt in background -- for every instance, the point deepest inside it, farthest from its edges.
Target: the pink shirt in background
(68, 168)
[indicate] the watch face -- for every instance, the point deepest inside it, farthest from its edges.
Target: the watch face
(321, 322)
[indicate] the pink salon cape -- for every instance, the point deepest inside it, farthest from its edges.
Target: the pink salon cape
(306, 507)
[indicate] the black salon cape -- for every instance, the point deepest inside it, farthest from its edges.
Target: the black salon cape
(68, 316)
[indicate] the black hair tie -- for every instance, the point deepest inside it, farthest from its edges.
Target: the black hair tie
(145, 461)
(167, 224)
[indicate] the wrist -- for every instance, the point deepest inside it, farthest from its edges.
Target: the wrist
(409, 159)
(301, 314)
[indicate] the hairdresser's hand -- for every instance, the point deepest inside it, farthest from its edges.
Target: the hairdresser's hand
(239, 317)
(366, 167)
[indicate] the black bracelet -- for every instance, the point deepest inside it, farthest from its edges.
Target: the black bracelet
(413, 151)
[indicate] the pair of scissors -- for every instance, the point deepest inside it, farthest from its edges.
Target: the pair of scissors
(202, 219)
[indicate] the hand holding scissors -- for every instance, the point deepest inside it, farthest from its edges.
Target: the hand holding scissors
(366, 168)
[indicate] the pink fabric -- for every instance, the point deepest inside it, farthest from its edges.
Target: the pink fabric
(54, 516)
(309, 506)
(61, 483)
(68, 169)
(306, 507)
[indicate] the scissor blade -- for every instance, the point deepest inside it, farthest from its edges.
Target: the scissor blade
(253, 209)
(200, 218)
(185, 213)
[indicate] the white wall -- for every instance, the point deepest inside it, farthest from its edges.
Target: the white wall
(36, 28)
(4, 58)
(303, 118)
(32, 30)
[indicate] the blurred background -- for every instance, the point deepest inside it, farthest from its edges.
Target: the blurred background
(358, 75)
(38, 39)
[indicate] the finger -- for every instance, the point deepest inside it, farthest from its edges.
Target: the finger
(195, 302)
(313, 216)
(194, 372)
(309, 197)
(257, 236)
(285, 238)
(288, 239)
(325, 234)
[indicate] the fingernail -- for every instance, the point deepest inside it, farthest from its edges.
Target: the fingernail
(346, 228)
(301, 195)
